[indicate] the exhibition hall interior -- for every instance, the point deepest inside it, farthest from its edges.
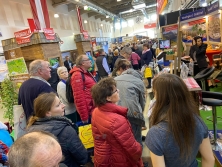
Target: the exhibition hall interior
(115, 83)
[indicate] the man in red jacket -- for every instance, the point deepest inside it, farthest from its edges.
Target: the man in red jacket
(82, 82)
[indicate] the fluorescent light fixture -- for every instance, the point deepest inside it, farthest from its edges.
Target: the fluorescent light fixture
(142, 5)
(118, 0)
(85, 21)
(131, 10)
(56, 15)
(77, 0)
(85, 7)
(204, 4)
(107, 16)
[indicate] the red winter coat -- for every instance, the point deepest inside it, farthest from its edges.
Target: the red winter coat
(115, 145)
(82, 98)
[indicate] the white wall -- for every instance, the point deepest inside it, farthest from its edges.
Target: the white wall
(137, 29)
(14, 14)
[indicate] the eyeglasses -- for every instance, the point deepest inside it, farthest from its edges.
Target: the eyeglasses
(86, 60)
(117, 90)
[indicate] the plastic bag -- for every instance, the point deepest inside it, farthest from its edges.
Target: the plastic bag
(184, 71)
(85, 135)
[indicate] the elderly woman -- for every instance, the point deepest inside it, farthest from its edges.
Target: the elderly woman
(70, 109)
(114, 142)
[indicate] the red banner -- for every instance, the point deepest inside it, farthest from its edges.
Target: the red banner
(49, 33)
(32, 25)
(151, 25)
(170, 28)
(23, 36)
(197, 22)
(93, 41)
(161, 4)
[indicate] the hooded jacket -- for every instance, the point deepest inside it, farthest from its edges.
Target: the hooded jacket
(82, 92)
(72, 148)
(132, 95)
(146, 57)
(114, 142)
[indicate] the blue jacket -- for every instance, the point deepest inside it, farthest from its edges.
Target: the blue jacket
(72, 148)
(146, 57)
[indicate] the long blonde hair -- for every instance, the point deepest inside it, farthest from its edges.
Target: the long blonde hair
(42, 104)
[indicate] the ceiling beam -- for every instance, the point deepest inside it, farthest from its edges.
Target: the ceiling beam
(82, 11)
(59, 2)
(97, 17)
(92, 14)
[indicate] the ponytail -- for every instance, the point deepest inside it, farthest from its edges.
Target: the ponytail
(32, 120)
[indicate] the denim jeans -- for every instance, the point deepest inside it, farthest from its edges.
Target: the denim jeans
(137, 132)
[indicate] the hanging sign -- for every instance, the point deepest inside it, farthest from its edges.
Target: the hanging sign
(212, 8)
(170, 32)
(23, 36)
(151, 25)
(49, 33)
(191, 15)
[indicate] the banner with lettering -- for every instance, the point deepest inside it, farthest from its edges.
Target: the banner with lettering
(192, 15)
(161, 4)
(213, 7)
(150, 25)
(49, 33)
(214, 28)
(170, 32)
(192, 29)
(23, 36)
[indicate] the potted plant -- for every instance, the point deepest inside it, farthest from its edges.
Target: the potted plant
(9, 98)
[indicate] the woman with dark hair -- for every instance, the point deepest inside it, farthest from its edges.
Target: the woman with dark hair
(49, 117)
(114, 143)
(177, 133)
(198, 55)
(146, 59)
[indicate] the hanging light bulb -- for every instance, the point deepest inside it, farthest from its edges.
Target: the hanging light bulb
(85, 7)
(56, 15)
(85, 21)
(107, 16)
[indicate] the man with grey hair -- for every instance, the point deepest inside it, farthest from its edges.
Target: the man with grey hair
(82, 82)
(125, 53)
(35, 149)
(39, 71)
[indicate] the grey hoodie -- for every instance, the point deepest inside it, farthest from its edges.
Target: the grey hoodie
(132, 95)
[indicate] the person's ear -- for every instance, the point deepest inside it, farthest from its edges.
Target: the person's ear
(108, 98)
(48, 114)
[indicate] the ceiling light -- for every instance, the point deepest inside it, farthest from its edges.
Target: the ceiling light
(118, 0)
(107, 16)
(131, 10)
(56, 15)
(101, 25)
(85, 7)
(85, 21)
(77, 0)
(204, 4)
(73, 33)
(142, 5)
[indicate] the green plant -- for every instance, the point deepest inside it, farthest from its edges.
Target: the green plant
(9, 98)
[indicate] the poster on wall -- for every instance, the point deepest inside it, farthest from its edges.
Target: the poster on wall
(214, 28)
(170, 33)
(17, 66)
(192, 29)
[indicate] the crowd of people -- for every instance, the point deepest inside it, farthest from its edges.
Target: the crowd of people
(112, 100)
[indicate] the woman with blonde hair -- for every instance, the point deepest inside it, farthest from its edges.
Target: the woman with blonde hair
(49, 117)
(176, 132)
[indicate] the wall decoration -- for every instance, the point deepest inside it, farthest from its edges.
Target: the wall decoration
(192, 29)
(170, 33)
(214, 28)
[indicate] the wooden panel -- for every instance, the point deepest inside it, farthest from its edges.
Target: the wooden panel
(32, 52)
(51, 50)
(12, 54)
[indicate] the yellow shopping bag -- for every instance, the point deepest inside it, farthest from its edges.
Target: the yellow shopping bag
(147, 73)
(85, 135)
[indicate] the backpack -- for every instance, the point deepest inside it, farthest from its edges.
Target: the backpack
(69, 92)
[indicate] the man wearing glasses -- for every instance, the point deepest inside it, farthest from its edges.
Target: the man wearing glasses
(125, 53)
(82, 82)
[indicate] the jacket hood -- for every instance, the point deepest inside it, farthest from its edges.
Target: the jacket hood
(133, 72)
(51, 124)
(146, 51)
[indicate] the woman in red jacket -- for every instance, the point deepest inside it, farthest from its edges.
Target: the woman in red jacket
(115, 145)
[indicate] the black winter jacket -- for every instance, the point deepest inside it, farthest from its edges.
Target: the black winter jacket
(72, 148)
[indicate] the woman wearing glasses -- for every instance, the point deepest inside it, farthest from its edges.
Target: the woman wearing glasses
(114, 141)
